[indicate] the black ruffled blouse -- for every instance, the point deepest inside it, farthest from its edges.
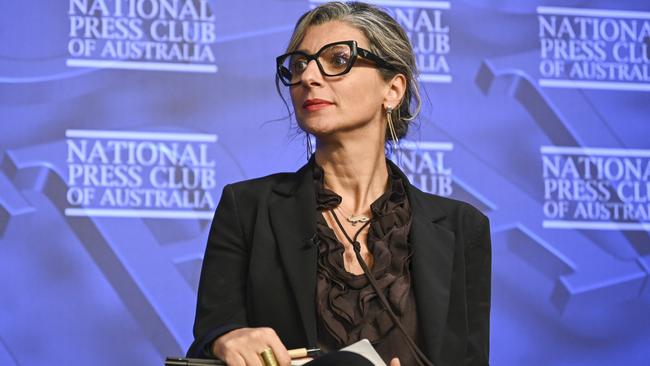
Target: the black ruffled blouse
(348, 308)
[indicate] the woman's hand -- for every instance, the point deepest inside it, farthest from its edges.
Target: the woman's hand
(242, 347)
(395, 362)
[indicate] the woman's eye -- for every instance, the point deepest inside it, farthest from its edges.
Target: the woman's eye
(299, 65)
(340, 59)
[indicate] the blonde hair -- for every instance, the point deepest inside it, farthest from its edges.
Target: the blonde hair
(387, 40)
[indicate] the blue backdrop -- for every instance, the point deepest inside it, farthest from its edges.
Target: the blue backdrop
(122, 120)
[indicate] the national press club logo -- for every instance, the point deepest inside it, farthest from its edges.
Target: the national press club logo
(140, 174)
(596, 188)
(425, 23)
(425, 165)
(594, 48)
(163, 35)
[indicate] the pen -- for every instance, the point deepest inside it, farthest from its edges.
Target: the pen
(304, 352)
(182, 361)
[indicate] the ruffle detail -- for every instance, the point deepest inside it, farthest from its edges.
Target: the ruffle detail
(348, 308)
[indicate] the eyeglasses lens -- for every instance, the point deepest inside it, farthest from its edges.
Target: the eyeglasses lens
(334, 60)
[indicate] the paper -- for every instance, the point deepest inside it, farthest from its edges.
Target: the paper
(365, 349)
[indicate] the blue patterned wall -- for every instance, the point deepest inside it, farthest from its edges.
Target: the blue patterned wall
(122, 120)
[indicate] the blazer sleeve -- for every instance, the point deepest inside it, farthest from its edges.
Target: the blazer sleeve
(221, 300)
(478, 260)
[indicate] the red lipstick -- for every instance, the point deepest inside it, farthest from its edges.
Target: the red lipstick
(315, 104)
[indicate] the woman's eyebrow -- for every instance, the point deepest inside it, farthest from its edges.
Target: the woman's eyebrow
(303, 50)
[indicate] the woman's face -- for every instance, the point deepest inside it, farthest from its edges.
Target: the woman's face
(329, 105)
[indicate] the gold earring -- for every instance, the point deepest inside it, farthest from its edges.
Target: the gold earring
(310, 147)
(391, 127)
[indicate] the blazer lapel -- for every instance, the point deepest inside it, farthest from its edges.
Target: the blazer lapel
(292, 211)
(432, 265)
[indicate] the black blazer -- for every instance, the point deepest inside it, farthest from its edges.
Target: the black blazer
(259, 268)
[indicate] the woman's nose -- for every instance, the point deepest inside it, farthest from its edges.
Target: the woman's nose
(311, 75)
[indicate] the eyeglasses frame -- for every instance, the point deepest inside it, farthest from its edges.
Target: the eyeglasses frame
(355, 52)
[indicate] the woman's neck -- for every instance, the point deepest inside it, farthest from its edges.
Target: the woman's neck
(357, 172)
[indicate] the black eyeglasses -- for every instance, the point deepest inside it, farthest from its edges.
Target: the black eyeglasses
(333, 59)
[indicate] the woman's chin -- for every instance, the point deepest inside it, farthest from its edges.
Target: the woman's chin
(318, 129)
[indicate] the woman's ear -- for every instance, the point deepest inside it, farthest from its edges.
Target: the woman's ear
(395, 91)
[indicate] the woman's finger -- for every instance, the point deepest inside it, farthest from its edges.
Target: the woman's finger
(236, 360)
(252, 358)
(395, 362)
(279, 350)
(244, 346)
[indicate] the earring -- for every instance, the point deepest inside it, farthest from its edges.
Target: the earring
(391, 127)
(310, 147)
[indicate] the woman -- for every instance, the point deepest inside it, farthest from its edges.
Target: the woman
(280, 269)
